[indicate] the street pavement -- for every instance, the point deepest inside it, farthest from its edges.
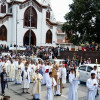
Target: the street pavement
(15, 91)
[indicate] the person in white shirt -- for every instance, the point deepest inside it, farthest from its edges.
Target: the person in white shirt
(50, 83)
(99, 91)
(96, 77)
(73, 94)
(95, 71)
(92, 87)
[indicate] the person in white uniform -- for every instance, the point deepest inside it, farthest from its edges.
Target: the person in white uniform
(99, 91)
(45, 70)
(33, 69)
(50, 83)
(91, 86)
(26, 78)
(57, 74)
(63, 74)
(11, 69)
(73, 95)
(95, 71)
(36, 90)
(96, 77)
(19, 74)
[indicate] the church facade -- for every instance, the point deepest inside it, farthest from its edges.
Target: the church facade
(21, 19)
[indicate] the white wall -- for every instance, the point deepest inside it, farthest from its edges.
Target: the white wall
(40, 32)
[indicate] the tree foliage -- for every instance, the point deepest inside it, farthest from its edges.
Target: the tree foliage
(83, 21)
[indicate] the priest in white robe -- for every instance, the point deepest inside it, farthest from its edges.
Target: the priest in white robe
(57, 74)
(11, 69)
(5, 65)
(99, 91)
(36, 90)
(63, 74)
(73, 95)
(92, 86)
(26, 78)
(19, 74)
(44, 78)
(96, 77)
(50, 83)
(45, 70)
(33, 69)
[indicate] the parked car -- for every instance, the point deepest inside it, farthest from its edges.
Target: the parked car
(85, 71)
(58, 61)
(5, 54)
(36, 59)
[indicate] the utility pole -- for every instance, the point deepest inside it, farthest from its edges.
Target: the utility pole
(16, 28)
(30, 27)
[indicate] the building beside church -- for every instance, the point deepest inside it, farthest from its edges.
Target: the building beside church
(18, 18)
(62, 40)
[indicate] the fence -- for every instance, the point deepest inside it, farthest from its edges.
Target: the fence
(88, 54)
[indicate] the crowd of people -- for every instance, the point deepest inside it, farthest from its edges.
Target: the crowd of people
(24, 70)
(76, 61)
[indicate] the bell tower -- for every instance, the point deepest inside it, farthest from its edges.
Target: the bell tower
(47, 2)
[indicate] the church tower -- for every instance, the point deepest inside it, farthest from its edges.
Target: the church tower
(45, 2)
(48, 2)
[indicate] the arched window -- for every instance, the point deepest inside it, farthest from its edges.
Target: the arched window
(49, 37)
(3, 8)
(48, 14)
(33, 17)
(3, 33)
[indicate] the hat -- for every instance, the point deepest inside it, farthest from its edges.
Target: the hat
(57, 65)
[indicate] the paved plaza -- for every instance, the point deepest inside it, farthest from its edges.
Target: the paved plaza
(15, 92)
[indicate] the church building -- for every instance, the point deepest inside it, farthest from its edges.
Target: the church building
(21, 19)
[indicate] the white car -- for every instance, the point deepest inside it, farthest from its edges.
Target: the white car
(5, 54)
(58, 61)
(85, 71)
(36, 59)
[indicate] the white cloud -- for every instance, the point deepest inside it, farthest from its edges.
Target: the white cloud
(60, 8)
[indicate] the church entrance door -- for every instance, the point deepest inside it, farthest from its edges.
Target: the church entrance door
(26, 38)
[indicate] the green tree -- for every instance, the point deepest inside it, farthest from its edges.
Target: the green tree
(83, 21)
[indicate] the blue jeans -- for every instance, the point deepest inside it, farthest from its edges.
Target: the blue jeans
(3, 87)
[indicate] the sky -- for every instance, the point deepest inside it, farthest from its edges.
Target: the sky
(60, 8)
